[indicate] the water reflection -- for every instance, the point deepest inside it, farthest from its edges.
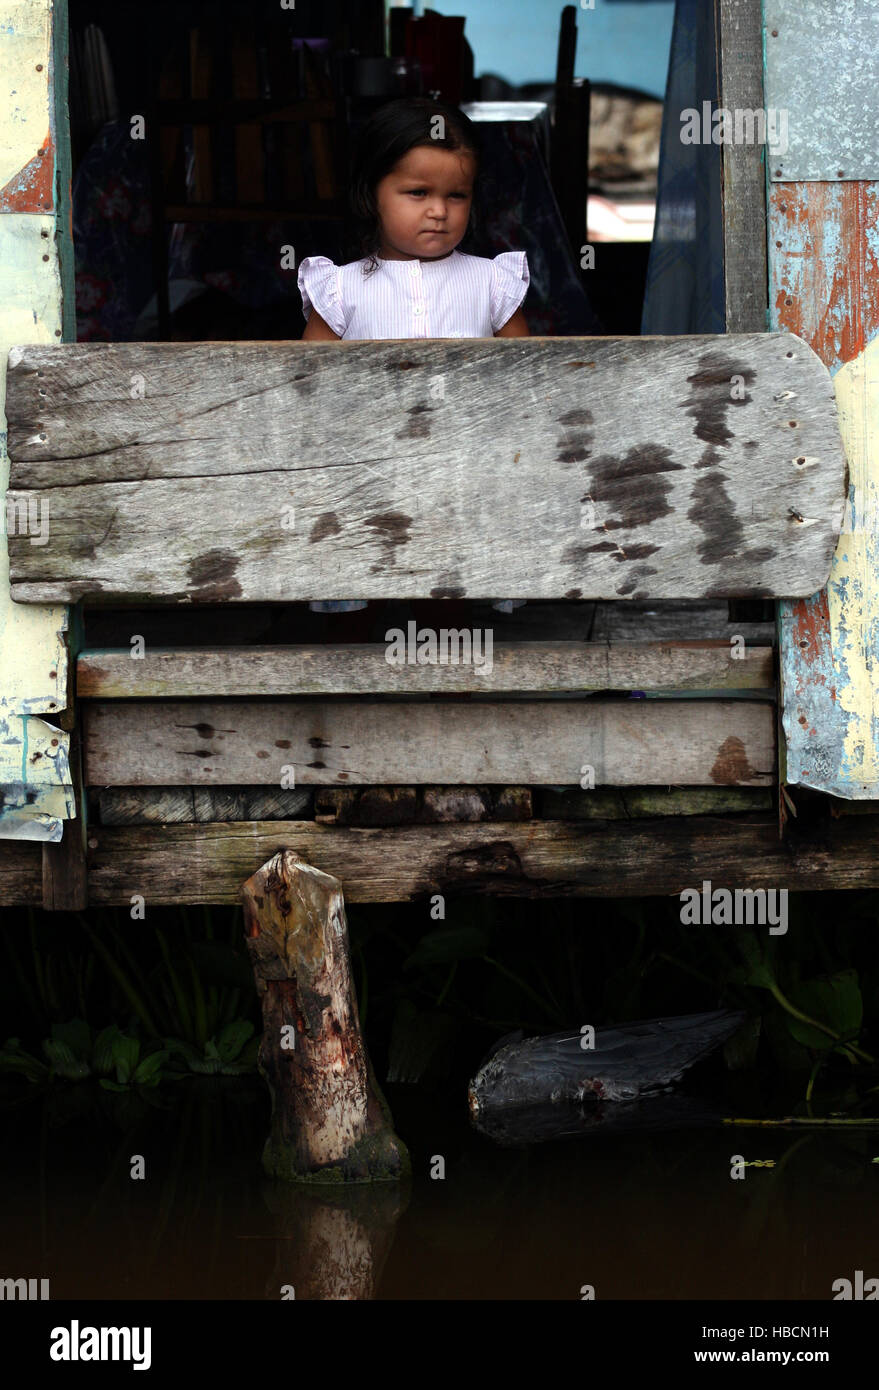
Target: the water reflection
(646, 1214)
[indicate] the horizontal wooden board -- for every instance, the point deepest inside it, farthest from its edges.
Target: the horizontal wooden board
(549, 859)
(625, 742)
(21, 874)
(515, 667)
(541, 620)
(205, 805)
(598, 468)
(636, 803)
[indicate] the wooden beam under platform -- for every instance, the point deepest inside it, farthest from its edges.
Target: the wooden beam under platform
(541, 859)
(545, 859)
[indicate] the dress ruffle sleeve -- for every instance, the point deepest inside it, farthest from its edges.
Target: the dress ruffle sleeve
(510, 284)
(319, 287)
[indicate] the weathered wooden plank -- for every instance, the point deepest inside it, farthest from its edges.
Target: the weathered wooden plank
(583, 468)
(668, 621)
(168, 805)
(825, 285)
(548, 859)
(636, 803)
(532, 742)
(420, 805)
(21, 873)
(740, 74)
(514, 667)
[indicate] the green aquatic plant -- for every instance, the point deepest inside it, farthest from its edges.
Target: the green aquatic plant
(73, 1054)
(232, 1053)
(121, 1060)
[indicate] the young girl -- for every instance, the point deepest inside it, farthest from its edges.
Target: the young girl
(412, 194)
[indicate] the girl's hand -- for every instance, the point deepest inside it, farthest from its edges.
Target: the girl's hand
(515, 327)
(318, 329)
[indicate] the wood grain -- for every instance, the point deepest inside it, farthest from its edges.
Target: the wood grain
(517, 667)
(21, 873)
(533, 742)
(547, 859)
(740, 53)
(533, 468)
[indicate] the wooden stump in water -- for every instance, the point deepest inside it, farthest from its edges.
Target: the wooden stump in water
(330, 1122)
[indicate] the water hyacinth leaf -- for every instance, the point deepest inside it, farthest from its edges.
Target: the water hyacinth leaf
(103, 1055)
(125, 1054)
(14, 1060)
(448, 944)
(834, 1000)
(233, 1038)
(150, 1068)
(787, 1053)
(63, 1061)
(177, 1047)
(759, 973)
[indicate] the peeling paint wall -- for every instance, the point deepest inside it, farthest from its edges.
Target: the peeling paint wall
(822, 71)
(824, 285)
(35, 307)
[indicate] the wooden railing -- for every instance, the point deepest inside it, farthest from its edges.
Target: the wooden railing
(544, 469)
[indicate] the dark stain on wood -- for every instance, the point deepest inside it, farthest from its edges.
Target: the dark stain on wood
(391, 529)
(731, 764)
(492, 861)
(318, 763)
(418, 424)
(710, 398)
(450, 591)
(635, 552)
(629, 586)
(714, 514)
(212, 576)
(575, 445)
(633, 486)
(327, 524)
(282, 743)
(573, 593)
(317, 742)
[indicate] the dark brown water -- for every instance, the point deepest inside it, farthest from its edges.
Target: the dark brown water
(634, 1215)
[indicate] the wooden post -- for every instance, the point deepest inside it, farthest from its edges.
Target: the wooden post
(330, 1122)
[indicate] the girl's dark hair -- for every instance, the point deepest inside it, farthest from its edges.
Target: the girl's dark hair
(386, 138)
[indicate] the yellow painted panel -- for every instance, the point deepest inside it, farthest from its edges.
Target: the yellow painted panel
(25, 39)
(34, 771)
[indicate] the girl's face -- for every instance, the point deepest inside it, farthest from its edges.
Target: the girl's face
(424, 203)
